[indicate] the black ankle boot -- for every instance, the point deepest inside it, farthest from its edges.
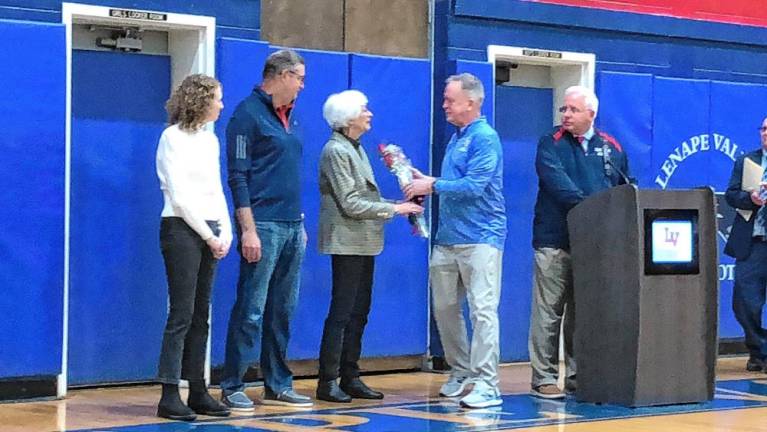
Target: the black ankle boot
(171, 407)
(203, 403)
(329, 391)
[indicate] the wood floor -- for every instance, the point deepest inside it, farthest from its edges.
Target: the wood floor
(741, 406)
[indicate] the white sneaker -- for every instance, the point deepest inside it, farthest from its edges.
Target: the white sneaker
(483, 395)
(454, 386)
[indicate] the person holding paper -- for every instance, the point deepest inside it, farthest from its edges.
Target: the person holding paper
(573, 161)
(747, 245)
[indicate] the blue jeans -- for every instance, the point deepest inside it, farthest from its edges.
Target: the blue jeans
(267, 291)
(748, 298)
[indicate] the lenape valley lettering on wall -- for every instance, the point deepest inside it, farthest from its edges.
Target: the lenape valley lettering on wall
(693, 145)
(726, 272)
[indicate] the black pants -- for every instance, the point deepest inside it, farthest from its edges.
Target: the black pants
(190, 266)
(748, 298)
(347, 317)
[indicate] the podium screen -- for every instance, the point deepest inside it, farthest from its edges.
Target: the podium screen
(671, 244)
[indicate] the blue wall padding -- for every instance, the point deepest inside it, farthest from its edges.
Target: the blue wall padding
(239, 64)
(522, 116)
(680, 112)
(399, 94)
(32, 240)
(232, 16)
(118, 288)
(625, 112)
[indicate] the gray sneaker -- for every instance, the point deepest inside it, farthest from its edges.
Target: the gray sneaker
(483, 395)
(286, 398)
(237, 401)
(454, 385)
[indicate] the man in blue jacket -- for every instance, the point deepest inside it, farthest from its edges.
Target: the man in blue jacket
(747, 245)
(466, 260)
(573, 161)
(264, 157)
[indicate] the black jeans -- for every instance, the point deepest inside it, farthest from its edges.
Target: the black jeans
(347, 317)
(190, 267)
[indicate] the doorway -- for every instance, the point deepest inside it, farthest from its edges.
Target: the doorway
(529, 83)
(115, 295)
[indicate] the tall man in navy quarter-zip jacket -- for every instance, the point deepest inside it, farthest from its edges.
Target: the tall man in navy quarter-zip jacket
(747, 245)
(264, 158)
(573, 161)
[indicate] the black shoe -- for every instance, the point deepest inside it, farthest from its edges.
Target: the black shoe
(329, 391)
(203, 403)
(175, 411)
(754, 365)
(357, 389)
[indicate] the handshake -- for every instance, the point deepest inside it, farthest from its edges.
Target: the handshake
(399, 165)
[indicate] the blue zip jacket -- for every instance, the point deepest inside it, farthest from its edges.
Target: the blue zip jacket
(264, 160)
(566, 176)
(472, 209)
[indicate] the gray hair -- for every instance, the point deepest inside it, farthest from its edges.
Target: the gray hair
(592, 102)
(341, 108)
(471, 85)
(280, 61)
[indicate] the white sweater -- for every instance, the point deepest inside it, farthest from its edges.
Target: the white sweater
(190, 178)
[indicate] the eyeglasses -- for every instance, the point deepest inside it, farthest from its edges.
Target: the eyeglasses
(574, 110)
(763, 129)
(298, 76)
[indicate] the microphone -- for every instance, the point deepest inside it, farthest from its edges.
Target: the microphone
(609, 166)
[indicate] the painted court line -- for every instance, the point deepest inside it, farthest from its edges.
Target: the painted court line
(437, 415)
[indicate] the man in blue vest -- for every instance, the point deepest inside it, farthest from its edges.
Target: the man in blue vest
(574, 161)
(747, 245)
(264, 157)
(468, 248)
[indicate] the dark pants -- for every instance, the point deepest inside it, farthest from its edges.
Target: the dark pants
(190, 266)
(348, 314)
(748, 298)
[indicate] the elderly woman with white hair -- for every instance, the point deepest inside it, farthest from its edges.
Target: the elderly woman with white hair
(352, 214)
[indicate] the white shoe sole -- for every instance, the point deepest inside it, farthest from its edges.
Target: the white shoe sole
(485, 404)
(287, 404)
(547, 396)
(233, 409)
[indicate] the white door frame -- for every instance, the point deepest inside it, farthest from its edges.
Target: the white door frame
(191, 44)
(567, 68)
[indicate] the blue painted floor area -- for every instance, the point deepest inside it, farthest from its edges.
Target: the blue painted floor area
(443, 415)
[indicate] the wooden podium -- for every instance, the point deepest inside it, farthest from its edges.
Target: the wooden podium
(645, 331)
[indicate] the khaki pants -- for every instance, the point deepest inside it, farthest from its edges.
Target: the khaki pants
(472, 272)
(552, 302)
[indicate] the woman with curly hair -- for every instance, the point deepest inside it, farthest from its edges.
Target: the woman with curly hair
(195, 233)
